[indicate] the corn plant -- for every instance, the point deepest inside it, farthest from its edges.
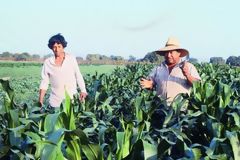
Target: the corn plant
(119, 120)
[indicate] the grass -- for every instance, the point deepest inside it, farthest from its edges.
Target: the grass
(20, 72)
(25, 80)
(35, 71)
(92, 69)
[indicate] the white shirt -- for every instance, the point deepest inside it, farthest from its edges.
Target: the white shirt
(170, 85)
(64, 77)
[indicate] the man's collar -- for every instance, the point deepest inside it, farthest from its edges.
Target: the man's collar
(52, 58)
(176, 65)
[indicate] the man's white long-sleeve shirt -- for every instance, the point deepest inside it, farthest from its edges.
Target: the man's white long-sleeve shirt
(61, 78)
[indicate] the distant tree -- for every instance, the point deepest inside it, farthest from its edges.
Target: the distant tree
(217, 60)
(27, 55)
(104, 58)
(36, 56)
(15, 55)
(6, 55)
(131, 58)
(112, 57)
(153, 57)
(93, 57)
(116, 58)
(233, 61)
(193, 60)
(21, 57)
(47, 56)
(79, 58)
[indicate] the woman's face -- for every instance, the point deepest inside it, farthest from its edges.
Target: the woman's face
(58, 49)
(172, 57)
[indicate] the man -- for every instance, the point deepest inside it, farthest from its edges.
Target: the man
(62, 72)
(172, 76)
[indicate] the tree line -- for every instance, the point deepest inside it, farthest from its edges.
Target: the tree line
(19, 56)
(151, 57)
(90, 58)
(232, 60)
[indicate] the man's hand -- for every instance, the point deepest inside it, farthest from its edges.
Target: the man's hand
(148, 84)
(185, 69)
(186, 73)
(41, 96)
(40, 103)
(82, 96)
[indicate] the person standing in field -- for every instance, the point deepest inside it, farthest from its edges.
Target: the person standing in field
(62, 72)
(173, 76)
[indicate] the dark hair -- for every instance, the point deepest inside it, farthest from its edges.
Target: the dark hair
(59, 39)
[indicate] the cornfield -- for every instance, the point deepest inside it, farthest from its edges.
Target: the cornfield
(119, 120)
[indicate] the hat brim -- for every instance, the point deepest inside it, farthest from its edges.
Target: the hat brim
(162, 51)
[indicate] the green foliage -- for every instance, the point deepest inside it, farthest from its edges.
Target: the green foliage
(153, 57)
(217, 60)
(119, 120)
(24, 70)
(233, 61)
(193, 60)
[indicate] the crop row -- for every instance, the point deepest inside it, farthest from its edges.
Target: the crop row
(119, 120)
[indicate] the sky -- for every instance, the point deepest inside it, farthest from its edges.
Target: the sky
(206, 28)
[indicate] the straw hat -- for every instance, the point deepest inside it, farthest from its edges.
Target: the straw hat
(172, 44)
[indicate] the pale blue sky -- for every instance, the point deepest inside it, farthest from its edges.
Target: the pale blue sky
(206, 28)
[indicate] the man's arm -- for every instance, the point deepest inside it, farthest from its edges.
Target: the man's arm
(145, 83)
(42, 93)
(148, 83)
(44, 83)
(187, 73)
(80, 81)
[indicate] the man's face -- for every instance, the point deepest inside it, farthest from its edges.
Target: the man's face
(172, 57)
(58, 49)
